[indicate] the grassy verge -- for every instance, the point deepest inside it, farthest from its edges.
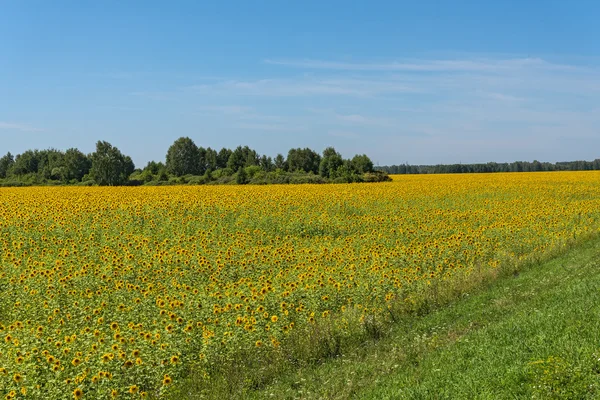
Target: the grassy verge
(532, 334)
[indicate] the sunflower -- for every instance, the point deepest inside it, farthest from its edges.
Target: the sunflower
(77, 393)
(167, 380)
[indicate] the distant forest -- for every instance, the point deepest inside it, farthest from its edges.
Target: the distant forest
(185, 163)
(517, 166)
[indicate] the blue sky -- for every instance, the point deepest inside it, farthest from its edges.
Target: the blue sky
(422, 82)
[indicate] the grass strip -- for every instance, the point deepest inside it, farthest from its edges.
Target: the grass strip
(535, 334)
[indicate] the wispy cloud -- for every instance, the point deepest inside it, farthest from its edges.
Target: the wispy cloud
(226, 109)
(470, 65)
(344, 134)
(502, 97)
(306, 86)
(270, 127)
(18, 127)
(432, 107)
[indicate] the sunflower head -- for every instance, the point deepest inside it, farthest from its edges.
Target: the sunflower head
(77, 393)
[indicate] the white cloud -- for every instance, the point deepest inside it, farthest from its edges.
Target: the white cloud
(468, 65)
(226, 109)
(343, 134)
(435, 106)
(305, 86)
(270, 127)
(18, 127)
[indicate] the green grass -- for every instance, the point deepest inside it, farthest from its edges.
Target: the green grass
(533, 334)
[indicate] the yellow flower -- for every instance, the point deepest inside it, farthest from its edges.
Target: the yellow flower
(77, 393)
(167, 380)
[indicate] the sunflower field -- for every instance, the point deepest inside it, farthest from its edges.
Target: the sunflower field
(115, 291)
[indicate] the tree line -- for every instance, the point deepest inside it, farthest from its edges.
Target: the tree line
(185, 163)
(517, 166)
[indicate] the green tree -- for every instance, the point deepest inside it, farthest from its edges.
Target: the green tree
(330, 162)
(183, 157)
(153, 167)
(362, 164)
(76, 164)
(6, 163)
(211, 159)
(242, 157)
(109, 166)
(345, 172)
(280, 163)
(303, 160)
(51, 164)
(223, 158)
(202, 162)
(26, 163)
(266, 163)
(162, 175)
(242, 176)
